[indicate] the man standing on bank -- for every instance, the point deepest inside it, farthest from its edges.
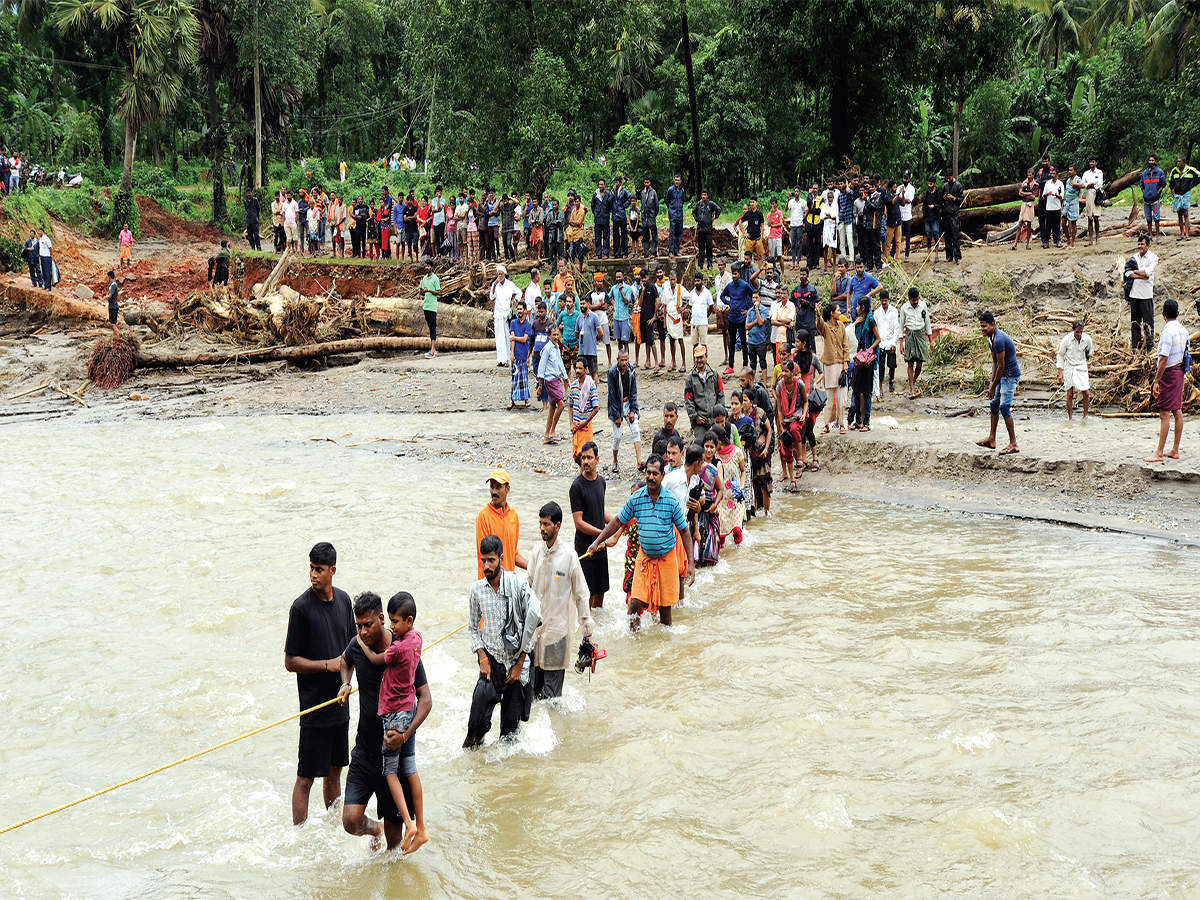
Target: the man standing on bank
(661, 523)
(675, 199)
(503, 616)
(1005, 375)
(1074, 351)
(364, 777)
(556, 576)
(587, 510)
(320, 625)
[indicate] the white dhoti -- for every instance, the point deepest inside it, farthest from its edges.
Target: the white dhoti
(1076, 377)
(500, 320)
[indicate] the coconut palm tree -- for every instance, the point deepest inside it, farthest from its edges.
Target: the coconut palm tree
(1053, 27)
(1175, 24)
(156, 40)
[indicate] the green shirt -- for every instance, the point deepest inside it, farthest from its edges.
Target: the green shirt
(430, 285)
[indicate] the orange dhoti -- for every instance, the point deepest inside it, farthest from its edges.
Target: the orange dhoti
(635, 324)
(656, 579)
(579, 438)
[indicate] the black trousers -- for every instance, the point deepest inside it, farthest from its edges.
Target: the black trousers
(906, 230)
(439, 235)
(951, 237)
(704, 240)
(280, 238)
(600, 235)
(736, 331)
(675, 240)
(1141, 323)
(253, 237)
(514, 700)
(620, 238)
(356, 242)
(1053, 229)
(510, 245)
(813, 247)
(871, 251)
(650, 239)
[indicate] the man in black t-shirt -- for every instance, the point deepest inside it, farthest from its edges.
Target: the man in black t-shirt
(319, 626)
(670, 417)
(753, 221)
(365, 775)
(587, 510)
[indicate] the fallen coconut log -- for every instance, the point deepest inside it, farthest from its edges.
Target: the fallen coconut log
(403, 316)
(308, 351)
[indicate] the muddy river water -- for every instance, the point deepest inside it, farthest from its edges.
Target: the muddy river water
(930, 704)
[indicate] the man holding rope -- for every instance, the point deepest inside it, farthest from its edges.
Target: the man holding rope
(320, 625)
(364, 776)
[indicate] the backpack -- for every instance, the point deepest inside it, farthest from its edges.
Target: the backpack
(762, 399)
(817, 399)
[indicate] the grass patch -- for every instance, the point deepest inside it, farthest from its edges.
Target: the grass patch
(82, 208)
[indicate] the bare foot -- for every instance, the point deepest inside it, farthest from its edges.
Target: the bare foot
(987, 442)
(377, 840)
(1174, 454)
(1011, 448)
(1155, 458)
(414, 841)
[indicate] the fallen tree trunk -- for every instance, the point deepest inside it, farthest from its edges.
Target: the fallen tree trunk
(307, 351)
(405, 317)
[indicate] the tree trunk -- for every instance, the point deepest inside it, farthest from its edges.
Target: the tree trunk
(698, 173)
(130, 150)
(257, 121)
(958, 111)
(219, 201)
(839, 119)
(533, 41)
(309, 351)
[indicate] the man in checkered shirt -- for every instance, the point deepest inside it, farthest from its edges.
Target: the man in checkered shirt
(503, 620)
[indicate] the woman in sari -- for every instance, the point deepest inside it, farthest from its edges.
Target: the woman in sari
(732, 510)
(807, 367)
(704, 500)
(584, 401)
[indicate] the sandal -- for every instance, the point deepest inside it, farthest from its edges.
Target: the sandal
(815, 467)
(865, 428)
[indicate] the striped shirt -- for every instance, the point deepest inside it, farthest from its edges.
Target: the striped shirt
(657, 520)
(1172, 343)
(581, 404)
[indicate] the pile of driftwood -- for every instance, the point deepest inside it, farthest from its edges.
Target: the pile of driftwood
(1119, 378)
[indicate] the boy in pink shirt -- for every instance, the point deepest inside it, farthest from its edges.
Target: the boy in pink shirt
(397, 706)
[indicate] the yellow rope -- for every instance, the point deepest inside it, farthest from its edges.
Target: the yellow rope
(170, 765)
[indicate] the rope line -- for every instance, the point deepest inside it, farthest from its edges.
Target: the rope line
(189, 757)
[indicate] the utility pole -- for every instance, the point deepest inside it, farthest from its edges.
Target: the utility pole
(691, 80)
(257, 121)
(429, 130)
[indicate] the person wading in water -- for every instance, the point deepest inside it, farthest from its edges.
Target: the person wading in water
(320, 625)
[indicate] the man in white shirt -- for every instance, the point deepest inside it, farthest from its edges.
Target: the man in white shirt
(1074, 351)
(557, 578)
(887, 321)
(906, 193)
(533, 293)
(1052, 194)
(597, 302)
(46, 259)
(291, 213)
(503, 293)
(797, 206)
(1141, 296)
(700, 299)
(1093, 180)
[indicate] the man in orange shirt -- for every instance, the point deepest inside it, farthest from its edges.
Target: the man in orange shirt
(563, 280)
(500, 519)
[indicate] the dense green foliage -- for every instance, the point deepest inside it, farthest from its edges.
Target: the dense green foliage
(529, 93)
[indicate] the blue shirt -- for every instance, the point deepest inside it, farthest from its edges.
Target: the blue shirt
(757, 334)
(860, 287)
(841, 286)
(551, 363)
(517, 328)
(620, 203)
(587, 325)
(656, 520)
(1002, 343)
(675, 200)
(740, 297)
(622, 296)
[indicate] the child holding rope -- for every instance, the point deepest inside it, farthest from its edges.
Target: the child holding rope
(397, 706)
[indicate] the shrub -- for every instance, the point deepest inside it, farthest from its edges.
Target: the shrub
(639, 154)
(155, 182)
(124, 209)
(11, 259)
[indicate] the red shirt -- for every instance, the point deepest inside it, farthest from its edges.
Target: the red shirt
(396, 692)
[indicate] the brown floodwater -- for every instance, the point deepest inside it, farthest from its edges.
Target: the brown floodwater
(863, 700)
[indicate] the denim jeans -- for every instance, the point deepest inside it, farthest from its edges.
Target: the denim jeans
(1002, 401)
(932, 229)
